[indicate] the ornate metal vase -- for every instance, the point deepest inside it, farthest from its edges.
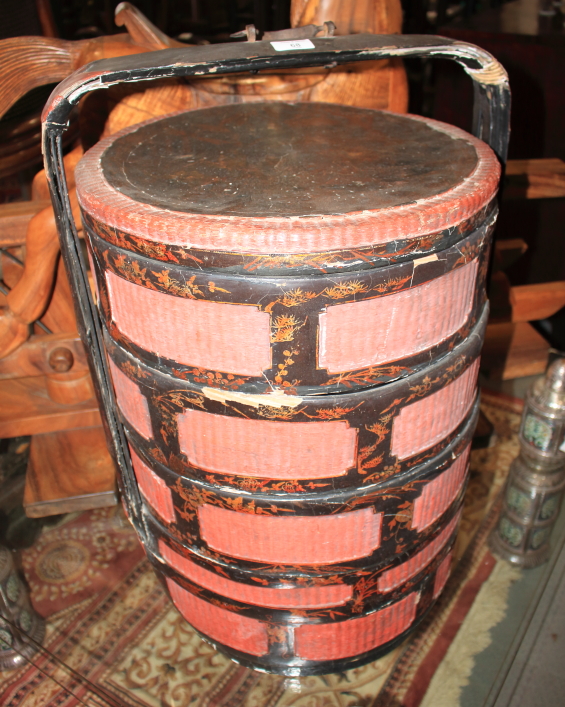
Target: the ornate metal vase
(534, 489)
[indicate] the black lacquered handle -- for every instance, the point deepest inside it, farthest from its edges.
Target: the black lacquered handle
(492, 94)
(491, 116)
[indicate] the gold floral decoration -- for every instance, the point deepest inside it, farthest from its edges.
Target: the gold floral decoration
(284, 327)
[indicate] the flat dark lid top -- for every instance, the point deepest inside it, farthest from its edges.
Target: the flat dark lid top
(285, 159)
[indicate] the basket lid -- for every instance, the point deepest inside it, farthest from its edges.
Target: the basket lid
(285, 177)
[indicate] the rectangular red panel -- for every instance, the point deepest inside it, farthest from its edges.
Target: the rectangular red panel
(439, 494)
(131, 402)
(278, 598)
(265, 448)
(396, 576)
(153, 488)
(388, 328)
(239, 632)
(312, 540)
(442, 575)
(221, 337)
(423, 423)
(355, 636)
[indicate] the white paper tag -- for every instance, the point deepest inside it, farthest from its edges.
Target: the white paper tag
(292, 44)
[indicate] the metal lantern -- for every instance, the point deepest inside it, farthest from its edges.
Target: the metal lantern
(536, 480)
(542, 432)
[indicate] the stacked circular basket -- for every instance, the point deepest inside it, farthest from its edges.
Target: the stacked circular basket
(293, 298)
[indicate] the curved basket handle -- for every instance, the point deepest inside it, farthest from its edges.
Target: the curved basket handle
(492, 93)
(491, 119)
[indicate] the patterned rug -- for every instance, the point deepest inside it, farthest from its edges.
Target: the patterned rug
(113, 638)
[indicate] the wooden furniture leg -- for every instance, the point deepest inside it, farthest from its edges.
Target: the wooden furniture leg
(89, 478)
(513, 350)
(46, 392)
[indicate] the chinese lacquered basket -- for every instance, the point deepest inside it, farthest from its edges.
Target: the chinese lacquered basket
(290, 311)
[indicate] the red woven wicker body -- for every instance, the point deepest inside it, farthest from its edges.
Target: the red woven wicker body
(293, 302)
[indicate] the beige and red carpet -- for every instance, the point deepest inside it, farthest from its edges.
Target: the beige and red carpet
(113, 638)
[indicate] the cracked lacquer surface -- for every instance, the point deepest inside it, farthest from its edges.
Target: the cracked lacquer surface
(285, 159)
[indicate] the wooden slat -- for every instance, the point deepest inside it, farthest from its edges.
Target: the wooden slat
(535, 179)
(32, 358)
(27, 409)
(69, 471)
(513, 350)
(532, 302)
(507, 251)
(14, 219)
